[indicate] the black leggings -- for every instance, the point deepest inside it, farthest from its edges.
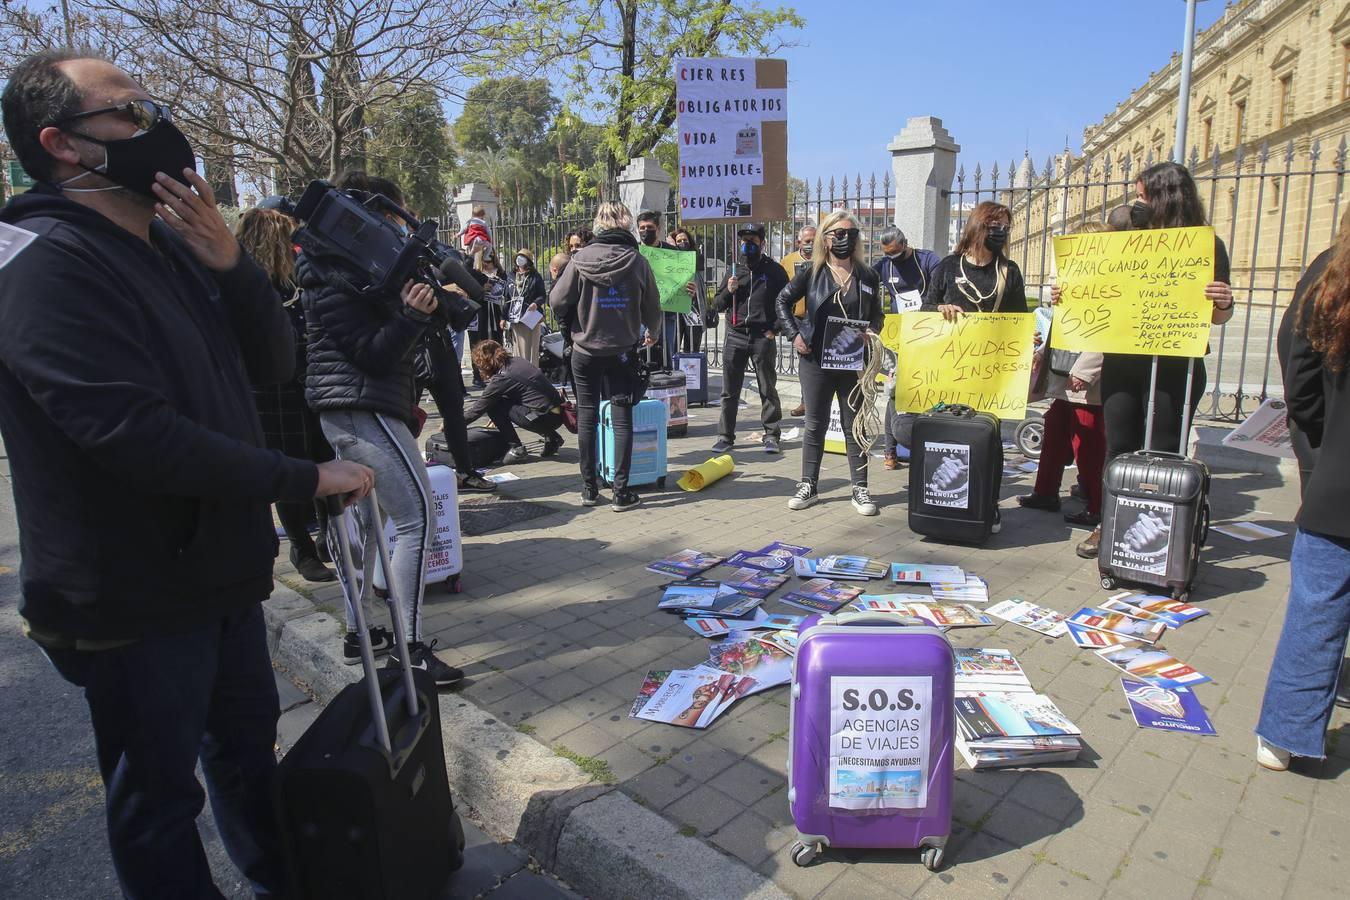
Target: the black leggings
(820, 386)
(597, 378)
(1125, 402)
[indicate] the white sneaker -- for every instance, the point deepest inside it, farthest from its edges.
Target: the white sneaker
(1271, 757)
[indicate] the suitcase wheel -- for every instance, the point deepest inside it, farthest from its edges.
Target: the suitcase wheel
(932, 858)
(1108, 582)
(1181, 596)
(1029, 437)
(802, 853)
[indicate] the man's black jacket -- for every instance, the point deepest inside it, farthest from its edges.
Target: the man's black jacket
(139, 477)
(752, 307)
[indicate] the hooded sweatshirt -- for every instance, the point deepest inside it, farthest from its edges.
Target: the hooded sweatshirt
(607, 293)
(140, 479)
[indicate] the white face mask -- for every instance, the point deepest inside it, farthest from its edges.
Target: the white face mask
(521, 261)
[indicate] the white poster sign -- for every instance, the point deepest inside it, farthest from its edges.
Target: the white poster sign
(879, 742)
(1266, 431)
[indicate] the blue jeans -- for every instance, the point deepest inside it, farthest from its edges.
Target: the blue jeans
(1301, 690)
(157, 706)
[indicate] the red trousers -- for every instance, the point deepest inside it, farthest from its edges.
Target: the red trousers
(1073, 431)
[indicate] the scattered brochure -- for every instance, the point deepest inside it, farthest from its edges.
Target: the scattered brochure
(1029, 615)
(777, 557)
(781, 622)
(807, 567)
(730, 605)
(787, 641)
(851, 567)
(1173, 612)
(1096, 640)
(1247, 531)
(746, 654)
(709, 626)
(973, 590)
(678, 697)
(906, 573)
(1118, 623)
(501, 477)
(693, 595)
(820, 595)
(980, 669)
(685, 564)
(755, 582)
(1170, 709)
(943, 615)
(1011, 715)
(1154, 666)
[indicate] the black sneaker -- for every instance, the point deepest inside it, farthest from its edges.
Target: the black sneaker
(516, 454)
(310, 568)
(590, 496)
(552, 444)
(998, 521)
(625, 500)
(381, 641)
(722, 445)
(473, 483)
(805, 496)
(771, 446)
(424, 657)
(862, 501)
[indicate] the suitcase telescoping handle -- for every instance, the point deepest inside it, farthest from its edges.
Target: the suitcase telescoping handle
(1184, 441)
(873, 618)
(373, 535)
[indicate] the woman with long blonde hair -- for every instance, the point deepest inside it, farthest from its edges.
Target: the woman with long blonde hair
(1315, 357)
(289, 425)
(823, 311)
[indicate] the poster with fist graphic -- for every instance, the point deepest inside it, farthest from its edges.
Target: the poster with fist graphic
(946, 475)
(1143, 535)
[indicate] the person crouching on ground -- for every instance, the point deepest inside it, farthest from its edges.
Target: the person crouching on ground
(838, 285)
(361, 383)
(517, 394)
(607, 295)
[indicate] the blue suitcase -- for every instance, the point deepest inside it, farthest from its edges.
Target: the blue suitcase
(649, 445)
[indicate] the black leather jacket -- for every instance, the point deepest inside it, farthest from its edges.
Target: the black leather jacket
(817, 286)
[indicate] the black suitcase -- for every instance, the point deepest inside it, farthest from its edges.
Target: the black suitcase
(695, 369)
(1155, 513)
(487, 447)
(363, 798)
(955, 467)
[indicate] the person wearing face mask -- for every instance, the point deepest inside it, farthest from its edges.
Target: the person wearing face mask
(748, 296)
(491, 322)
(700, 316)
(904, 272)
(527, 295)
(838, 284)
(978, 276)
(649, 233)
(800, 257)
(133, 326)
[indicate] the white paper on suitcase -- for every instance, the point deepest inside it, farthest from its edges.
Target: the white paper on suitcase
(946, 475)
(1142, 537)
(879, 742)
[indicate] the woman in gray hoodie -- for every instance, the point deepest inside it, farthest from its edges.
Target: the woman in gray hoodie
(608, 300)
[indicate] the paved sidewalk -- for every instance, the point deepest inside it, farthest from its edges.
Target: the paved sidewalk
(558, 624)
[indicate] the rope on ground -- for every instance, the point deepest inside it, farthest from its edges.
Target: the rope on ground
(869, 421)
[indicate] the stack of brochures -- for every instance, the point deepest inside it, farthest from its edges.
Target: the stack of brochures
(853, 567)
(943, 615)
(1000, 719)
(685, 564)
(820, 595)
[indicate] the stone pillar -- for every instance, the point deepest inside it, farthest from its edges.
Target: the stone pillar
(472, 195)
(923, 163)
(644, 186)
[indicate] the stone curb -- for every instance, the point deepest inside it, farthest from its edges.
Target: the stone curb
(597, 839)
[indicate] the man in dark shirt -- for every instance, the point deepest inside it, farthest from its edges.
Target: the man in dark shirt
(131, 325)
(747, 296)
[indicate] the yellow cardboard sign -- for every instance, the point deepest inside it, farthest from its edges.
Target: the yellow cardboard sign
(1135, 291)
(981, 360)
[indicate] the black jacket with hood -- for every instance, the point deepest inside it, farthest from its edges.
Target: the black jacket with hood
(607, 293)
(139, 474)
(360, 345)
(753, 307)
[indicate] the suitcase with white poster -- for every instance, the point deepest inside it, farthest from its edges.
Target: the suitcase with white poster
(870, 736)
(695, 369)
(955, 464)
(445, 560)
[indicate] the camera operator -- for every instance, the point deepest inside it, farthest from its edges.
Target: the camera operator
(361, 383)
(133, 326)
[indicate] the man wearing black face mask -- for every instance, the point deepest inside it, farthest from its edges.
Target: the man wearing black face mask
(130, 328)
(747, 297)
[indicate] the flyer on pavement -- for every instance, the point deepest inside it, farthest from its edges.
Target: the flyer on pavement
(1029, 615)
(1118, 623)
(1169, 709)
(908, 573)
(1092, 639)
(1154, 666)
(1173, 612)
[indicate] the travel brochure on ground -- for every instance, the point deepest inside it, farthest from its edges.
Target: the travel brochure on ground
(1001, 720)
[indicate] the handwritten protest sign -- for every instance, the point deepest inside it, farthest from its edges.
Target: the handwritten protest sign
(982, 360)
(1135, 291)
(673, 270)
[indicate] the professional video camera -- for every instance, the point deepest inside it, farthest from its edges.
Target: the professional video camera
(350, 226)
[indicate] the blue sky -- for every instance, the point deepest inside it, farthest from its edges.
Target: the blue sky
(1002, 76)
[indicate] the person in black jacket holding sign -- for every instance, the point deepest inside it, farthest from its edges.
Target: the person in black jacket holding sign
(822, 310)
(748, 296)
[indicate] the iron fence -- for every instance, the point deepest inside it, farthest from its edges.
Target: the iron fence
(1271, 209)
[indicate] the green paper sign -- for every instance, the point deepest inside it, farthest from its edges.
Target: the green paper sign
(673, 270)
(19, 180)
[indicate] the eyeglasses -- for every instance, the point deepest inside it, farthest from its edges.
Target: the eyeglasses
(146, 114)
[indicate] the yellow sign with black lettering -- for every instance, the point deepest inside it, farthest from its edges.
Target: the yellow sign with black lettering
(981, 360)
(1135, 291)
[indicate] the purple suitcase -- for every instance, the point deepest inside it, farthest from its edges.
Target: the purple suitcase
(883, 777)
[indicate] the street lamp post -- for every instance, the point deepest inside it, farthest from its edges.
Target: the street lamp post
(1184, 99)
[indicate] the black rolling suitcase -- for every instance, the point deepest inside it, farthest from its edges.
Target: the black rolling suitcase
(955, 464)
(1155, 511)
(695, 369)
(487, 448)
(363, 798)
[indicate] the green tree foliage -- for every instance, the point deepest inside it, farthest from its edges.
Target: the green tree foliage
(410, 143)
(504, 131)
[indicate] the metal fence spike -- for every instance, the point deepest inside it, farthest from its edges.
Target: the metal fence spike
(1289, 152)
(1265, 152)
(1195, 158)
(1340, 154)
(1315, 151)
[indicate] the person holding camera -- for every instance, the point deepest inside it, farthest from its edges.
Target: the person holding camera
(517, 394)
(748, 296)
(837, 296)
(526, 295)
(606, 296)
(362, 385)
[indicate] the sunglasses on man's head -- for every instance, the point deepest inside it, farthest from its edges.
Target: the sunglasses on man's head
(146, 114)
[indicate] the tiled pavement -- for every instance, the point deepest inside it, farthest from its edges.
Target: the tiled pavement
(557, 626)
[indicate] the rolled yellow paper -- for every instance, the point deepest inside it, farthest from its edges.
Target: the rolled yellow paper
(699, 477)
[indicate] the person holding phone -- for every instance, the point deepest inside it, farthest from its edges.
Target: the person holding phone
(839, 290)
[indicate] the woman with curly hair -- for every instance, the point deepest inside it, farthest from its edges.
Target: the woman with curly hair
(1315, 356)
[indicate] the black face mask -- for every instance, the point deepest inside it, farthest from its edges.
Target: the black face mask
(844, 242)
(647, 237)
(133, 162)
(1141, 214)
(807, 249)
(996, 238)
